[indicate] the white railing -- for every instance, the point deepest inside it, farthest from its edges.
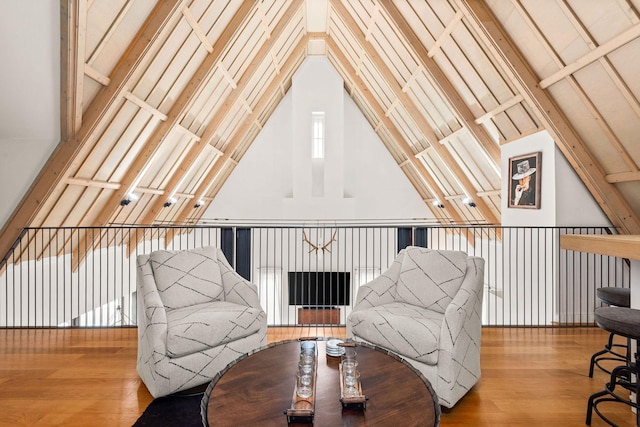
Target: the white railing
(85, 277)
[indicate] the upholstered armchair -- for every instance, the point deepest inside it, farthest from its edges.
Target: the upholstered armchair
(195, 316)
(426, 308)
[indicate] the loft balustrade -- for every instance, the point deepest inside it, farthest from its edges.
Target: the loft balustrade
(306, 274)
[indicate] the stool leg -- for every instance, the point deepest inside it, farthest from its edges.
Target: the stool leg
(590, 405)
(612, 355)
(627, 378)
(594, 360)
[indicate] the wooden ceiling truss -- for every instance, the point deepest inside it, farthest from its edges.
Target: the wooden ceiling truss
(160, 100)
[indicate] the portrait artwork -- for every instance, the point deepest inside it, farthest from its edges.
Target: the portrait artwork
(524, 181)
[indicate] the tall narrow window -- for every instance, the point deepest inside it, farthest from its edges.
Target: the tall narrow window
(317, 154)
(317, 143)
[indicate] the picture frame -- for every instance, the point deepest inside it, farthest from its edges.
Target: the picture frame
(524, 181)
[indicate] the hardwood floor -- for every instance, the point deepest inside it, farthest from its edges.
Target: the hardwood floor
(87, 377)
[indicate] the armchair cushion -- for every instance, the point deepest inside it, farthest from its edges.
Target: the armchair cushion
(402, 328)
(203, 326)
(430, 278)
(186, 278)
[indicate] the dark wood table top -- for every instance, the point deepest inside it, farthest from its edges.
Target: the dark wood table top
(257, 389)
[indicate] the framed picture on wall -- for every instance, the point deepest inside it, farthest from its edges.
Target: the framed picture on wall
(524, 183)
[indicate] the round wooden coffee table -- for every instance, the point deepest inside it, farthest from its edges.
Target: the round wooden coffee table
(257, 389)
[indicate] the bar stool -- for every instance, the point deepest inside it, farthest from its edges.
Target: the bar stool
(624, 322)
(618, 297)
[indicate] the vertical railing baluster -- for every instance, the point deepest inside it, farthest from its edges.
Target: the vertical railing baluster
(529, 280)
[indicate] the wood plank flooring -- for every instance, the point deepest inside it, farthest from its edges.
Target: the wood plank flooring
(87, 377)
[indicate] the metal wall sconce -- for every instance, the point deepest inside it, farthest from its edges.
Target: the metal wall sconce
(438, 204)
(467, 201)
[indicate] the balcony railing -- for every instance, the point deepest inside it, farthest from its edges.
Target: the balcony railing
(86, 277)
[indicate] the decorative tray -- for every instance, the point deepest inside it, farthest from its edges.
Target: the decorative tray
(352, 400)
(302, 409)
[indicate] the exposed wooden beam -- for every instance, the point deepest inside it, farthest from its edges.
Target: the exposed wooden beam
(145, 106)
(175, 113)
(96, 75)
(184, 195)
(143, 160)
(197, 29)
(456, 133)
(490, 193)
(235, 96)
(29, 212)
(205, 184)
(425, 128)
(73, 17)
(446, 33)
(443, 83)
(190, 134)
(85, 182)
(584, 97)
(145, 190)
(499, 109)
(404, 147)
(615, 77)
(226, 75)
(506, 54)
(623, 177)
(604, 60)
(594, 55)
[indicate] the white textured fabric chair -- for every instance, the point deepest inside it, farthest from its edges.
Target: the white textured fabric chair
(427, 308)
(195, 316)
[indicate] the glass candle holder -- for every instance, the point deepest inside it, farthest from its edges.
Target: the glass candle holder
(304, 385)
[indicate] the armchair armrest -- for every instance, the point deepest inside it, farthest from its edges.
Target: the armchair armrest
(236, 288)
(382, 289)
(152, 315)
(464, 312)
(459, 349)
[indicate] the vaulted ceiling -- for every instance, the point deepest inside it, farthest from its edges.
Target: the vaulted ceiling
(161, 99)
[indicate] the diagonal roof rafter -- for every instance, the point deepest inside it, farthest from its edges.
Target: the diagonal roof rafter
(397, 136)
(176, 112)
(212, 127)
(52, 176)
(442, 152)
(443, 84)
(274, 88)
(503, 50)
(238, 88)
(464, 114)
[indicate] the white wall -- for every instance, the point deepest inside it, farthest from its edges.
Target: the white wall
(575, 206)
(273, 179)
(30, 101)
(564, 199)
